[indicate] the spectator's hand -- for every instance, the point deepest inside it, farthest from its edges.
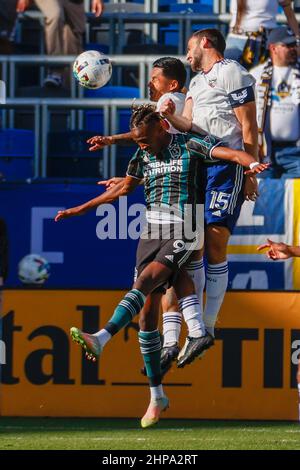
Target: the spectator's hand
(276, 250)
(98, 142)
(110, 183)
(97, 7)
(167, 108)
(68, 213)
(22, 5)
(251, 188)
(257, 169)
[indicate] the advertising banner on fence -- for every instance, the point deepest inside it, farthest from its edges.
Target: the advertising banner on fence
(98, 250)
(250, 373)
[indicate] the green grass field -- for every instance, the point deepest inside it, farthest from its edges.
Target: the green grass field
(121, 434)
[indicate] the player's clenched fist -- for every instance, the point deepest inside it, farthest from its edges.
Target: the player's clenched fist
(168, 107)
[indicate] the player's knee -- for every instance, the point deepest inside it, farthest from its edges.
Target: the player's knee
(216, 256)
(149, 280)
(169, 301)
(144, 283)
(215, 251)
(184, 285)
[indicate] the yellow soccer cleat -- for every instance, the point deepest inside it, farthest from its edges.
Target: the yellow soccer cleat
(88, 342)
(153, 412)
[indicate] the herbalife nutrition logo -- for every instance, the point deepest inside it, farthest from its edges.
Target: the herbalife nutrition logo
(2, 92)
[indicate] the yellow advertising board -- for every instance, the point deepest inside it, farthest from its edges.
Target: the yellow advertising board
(250, 373)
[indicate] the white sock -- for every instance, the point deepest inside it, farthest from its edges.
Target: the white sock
(171, 328)
(216, 285)
(103, 337)
(156, 392)
(192, 314)
(196, 271)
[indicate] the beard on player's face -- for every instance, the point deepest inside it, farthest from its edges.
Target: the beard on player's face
(195, 56)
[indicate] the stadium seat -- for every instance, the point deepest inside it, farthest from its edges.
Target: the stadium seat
(69, 157)
(169, 34)
(16, 154)
(100, 31)
(94, 120)
(201, 7)
(124, 155)
(95, 46)
(113, 92)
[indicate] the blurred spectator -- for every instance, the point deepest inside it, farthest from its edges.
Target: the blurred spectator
(64, 28)
(251, 23)
(280, 250)
(277, 103)
(8, 15)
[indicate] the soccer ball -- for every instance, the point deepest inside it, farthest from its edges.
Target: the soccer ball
(92, 69)
(33, 269)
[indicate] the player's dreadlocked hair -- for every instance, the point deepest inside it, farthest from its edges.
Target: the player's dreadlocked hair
(143, 114)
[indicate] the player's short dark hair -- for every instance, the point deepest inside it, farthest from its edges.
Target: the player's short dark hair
(172, 68)
(214, 36)
(143, 115)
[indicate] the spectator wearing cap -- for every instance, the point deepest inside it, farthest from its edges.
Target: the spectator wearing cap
(277, 103)
(251, 23)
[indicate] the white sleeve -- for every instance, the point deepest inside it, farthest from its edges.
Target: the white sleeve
(238, 84)
(236, 77)
(189, 93)
(162, 99)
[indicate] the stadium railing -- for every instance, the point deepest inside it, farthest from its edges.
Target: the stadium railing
(11, 62)
(184, 20)
(42, 109)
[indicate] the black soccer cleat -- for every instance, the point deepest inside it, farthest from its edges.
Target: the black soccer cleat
(167, 356)
(194, 349)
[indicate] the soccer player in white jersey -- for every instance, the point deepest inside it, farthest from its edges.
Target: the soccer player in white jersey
(220, 101)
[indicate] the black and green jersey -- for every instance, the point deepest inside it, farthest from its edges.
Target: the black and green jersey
(173, 178)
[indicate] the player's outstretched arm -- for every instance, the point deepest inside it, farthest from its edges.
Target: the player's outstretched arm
(240, 157)
(121, 189)
(112, 182)
(98, 142)
(279, 250)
